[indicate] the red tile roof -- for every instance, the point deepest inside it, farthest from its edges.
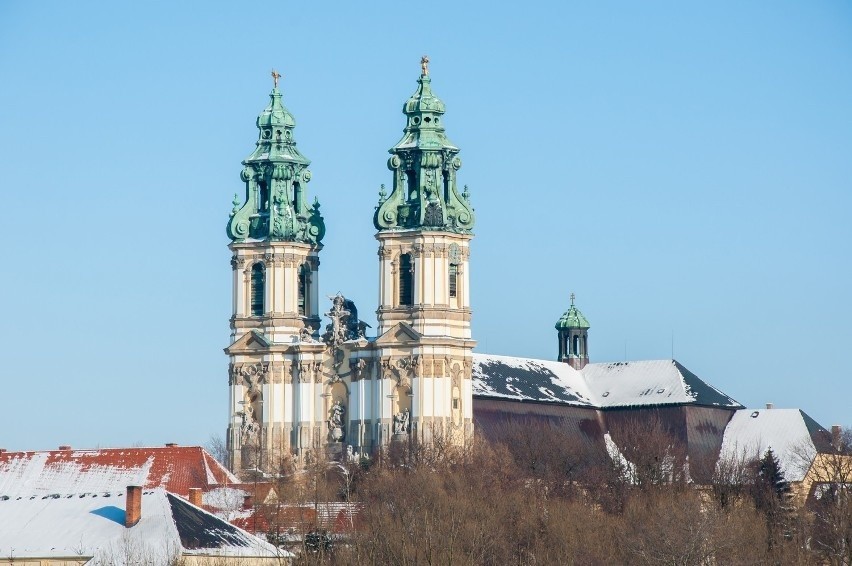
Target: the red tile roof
(336, 518)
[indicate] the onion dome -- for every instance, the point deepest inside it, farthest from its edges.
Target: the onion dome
(424, 163)
(276, 175)
(572, 318)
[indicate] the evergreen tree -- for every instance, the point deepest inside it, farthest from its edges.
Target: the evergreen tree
(771, 494)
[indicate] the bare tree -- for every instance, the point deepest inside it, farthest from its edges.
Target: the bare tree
(218, 449)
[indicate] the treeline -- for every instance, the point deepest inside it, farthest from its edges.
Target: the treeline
(541, 496)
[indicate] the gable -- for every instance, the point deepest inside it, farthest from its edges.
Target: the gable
(400, 333)
(251, 341)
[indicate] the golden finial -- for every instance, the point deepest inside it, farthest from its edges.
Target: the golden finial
(424, 64)
(572, 299)
(275, 76)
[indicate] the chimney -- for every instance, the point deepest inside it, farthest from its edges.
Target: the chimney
(770, 405)
(835, 436)
(195, 496)
(65, 447)
(133, 510)
(171, 444)
(248, 502)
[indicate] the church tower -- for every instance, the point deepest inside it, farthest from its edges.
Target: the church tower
(573, 337)
(275, 242)
(424, 232)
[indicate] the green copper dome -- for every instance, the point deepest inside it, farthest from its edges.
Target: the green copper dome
(423, 100)
(572, 318)
(275, 114)
(276, 175)
(424, 162)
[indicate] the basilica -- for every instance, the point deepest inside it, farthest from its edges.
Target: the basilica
(305, 377)
(298, 386)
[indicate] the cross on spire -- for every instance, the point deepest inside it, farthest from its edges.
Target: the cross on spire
(572, 299)
(275, 76)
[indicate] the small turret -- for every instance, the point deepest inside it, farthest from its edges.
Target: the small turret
(573, 337)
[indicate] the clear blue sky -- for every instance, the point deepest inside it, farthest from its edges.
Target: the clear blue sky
(685, 168)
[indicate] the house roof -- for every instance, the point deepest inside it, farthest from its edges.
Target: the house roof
(793, 436)
(604, 385)
(176, 468)
(334, 517)
(92, 525)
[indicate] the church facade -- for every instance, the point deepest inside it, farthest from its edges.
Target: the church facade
(299, 386)
(296, 387)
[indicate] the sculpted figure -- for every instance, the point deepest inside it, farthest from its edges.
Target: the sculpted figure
(335, 421)
(401, 422)
(250, 426)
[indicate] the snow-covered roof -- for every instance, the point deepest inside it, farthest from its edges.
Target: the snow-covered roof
(606, 385)
(176, 468)
(792, 435)
(92, 525)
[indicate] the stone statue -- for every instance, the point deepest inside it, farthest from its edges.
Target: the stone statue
(335, 331)
(250, 427)
(362, 329)
(306, 334)
(336, 426)
(344, 324)
(401, 422)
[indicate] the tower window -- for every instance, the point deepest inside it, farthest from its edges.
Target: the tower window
(405, 280)
(263, 196)
(454, 276)
(412, 184)
(576, 345)
(258, 289)
(304, 284)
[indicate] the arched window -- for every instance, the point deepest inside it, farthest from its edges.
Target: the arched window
(405, 280)
(412, 184)
(585, 346)
(576, 345)
(454, 277)
(258, 289)
(263, 196)
(304, 289)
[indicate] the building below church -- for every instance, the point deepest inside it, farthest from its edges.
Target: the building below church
(297, 387)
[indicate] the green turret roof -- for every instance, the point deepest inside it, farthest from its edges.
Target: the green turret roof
(275, 114)
(424, 164)
(424, 128)
(276, 177)
(572, 318)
